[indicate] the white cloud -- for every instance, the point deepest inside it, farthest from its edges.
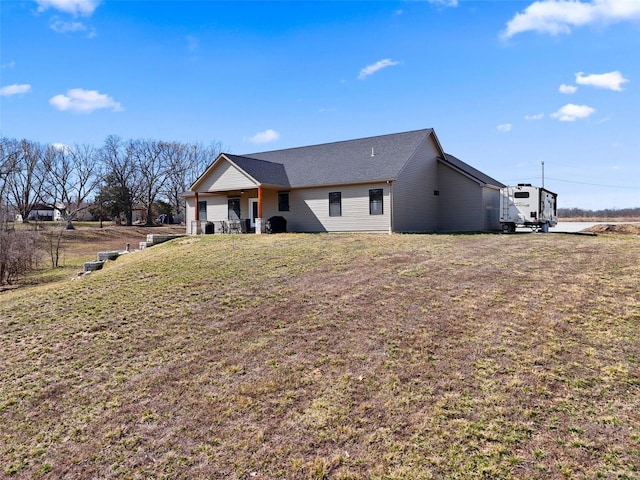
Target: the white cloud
(571, 112)
(15, 89)
(60, 26)
(379, 65)
(73, 7)
(537, 116)
(567, 89)
(610, 81)
(264, 137)
(63, 147)
(84, 101)
(504, 127)
(606, 119)
(446, 3)
(560, 16)
(10, 64)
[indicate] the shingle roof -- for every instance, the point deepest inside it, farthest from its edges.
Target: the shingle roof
(469, 170)
(349, 161)
(371, 159)
(264, 172)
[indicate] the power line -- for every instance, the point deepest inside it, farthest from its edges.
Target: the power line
(593, 184)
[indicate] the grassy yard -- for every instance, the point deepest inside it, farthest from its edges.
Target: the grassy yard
(330, 356)
(79, 246)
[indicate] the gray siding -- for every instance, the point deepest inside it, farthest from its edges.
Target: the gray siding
(491, 203)
(415, 207)
(225, 176)
(462, 207)
(309, 210)
(270, 206)
(189, 213)
(216, 209)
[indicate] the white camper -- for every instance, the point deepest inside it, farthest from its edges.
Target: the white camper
(527, 206)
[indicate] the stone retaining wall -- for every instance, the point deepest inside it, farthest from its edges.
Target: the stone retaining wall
(155, 239)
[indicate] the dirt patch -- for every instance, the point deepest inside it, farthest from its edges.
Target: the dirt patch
(599, 219)
(615, 229)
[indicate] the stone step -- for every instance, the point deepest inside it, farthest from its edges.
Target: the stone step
(93, 266)
(110, 255)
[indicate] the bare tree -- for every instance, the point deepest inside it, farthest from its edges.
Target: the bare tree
(201, 158)
(72, 176)
(152, 160)
(8, 164)
(179, 170)
(121, 173)
(25, 183)
(187, 163)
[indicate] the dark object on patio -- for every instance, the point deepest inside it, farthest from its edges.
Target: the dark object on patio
(276, 224)
(209, 228)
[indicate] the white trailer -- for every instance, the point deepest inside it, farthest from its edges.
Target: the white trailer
(527, 206)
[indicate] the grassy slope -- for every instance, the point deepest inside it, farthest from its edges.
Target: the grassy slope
(330, 356)
(82, 245)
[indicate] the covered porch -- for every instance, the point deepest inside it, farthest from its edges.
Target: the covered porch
(235, 195)
(228, 212)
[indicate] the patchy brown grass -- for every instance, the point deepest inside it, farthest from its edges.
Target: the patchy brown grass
(87, 239)
(331, 356)
(82, 245)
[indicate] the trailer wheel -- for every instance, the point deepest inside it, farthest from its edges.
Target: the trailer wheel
(508, 228)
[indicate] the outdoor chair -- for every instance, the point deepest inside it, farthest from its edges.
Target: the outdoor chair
(235, 226)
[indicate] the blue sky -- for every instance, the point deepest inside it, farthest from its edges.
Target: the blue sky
(506, 85)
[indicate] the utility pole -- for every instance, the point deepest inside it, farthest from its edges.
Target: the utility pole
(542, 162)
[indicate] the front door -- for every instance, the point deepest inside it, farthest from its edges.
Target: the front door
(234, 208)
(253, 211)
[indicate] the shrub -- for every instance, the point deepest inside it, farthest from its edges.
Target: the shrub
(19, 254)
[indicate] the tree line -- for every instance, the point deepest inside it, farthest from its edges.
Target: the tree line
(111, 179)
(604, 213)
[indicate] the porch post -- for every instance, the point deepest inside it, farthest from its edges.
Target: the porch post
(196, 218)
(259, 218)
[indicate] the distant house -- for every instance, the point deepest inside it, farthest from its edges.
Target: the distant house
(402, 182)
(44, 213)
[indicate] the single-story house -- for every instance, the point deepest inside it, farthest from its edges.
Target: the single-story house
(44, 212)
(402, 182)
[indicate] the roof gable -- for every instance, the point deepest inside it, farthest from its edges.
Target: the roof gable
(224, 174)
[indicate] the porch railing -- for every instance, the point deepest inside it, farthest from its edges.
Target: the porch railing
(201, 227)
